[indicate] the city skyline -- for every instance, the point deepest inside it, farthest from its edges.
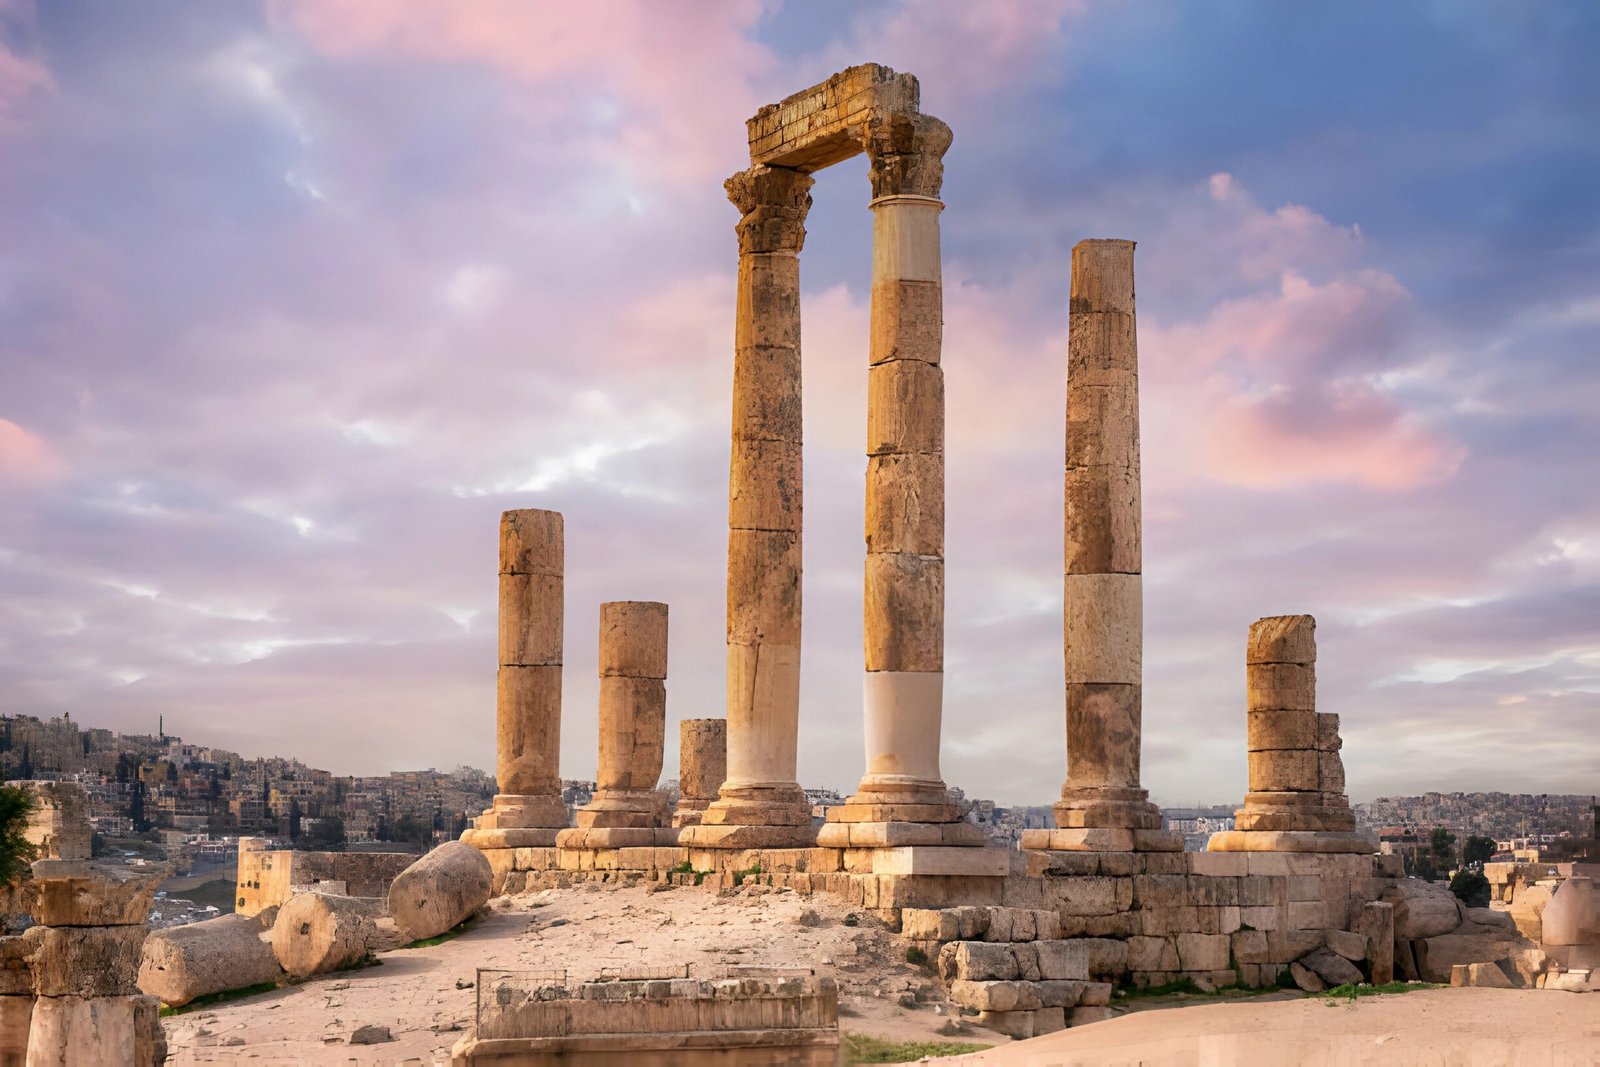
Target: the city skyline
(299, 299)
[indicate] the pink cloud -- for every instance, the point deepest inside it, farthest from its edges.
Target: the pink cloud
(21, 75)
(1341, 433)
(24, 456)
(666, 84)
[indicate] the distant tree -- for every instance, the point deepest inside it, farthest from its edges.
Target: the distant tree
(409, 828)
(1471, 888)
(1477, 850)
(172, 772)
(136, 807)
(16, 851)
(227, 772)
(1444, 846)
(25, 768)
(294, 819)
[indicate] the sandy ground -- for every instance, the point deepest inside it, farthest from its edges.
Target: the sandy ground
(426, 996)
(1431, 1026)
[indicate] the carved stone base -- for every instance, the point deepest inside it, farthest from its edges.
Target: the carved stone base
(729, 836)
(512, 837)
(521, 812)
(1122, 809)
(619, 808)
(896, 834)
(690, 811)
(1292, 841)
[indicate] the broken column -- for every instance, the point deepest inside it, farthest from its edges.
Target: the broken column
(761, 803)
(84, 960)
(702, 766)
(528, 810)
(1296, 801)
(1102, 806)
(627, 811)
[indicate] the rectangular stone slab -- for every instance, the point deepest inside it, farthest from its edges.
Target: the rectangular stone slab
(905, 504)
(942, 860)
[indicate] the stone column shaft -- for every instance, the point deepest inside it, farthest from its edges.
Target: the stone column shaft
(1103, 629)
(702, 766)
(633, 716)
(528, 808)
(764, 508)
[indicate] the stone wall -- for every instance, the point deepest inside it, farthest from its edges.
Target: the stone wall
(269, 878)
(59, 826)
(531, 1019)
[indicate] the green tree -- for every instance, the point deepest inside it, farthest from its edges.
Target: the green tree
(1477, 850)
(1444, 846)
(1471, 888)
(16, 851)
(327, 833)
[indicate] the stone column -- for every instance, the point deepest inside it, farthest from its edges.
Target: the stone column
(1102, 806)
(528, 810)
(902, 798)
(84, 963)
(626, 811)
(702, 767)
(761, 803)
(1296, 801)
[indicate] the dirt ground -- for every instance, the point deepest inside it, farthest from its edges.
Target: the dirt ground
(426, 996)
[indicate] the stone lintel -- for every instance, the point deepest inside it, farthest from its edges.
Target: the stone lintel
(827, 123)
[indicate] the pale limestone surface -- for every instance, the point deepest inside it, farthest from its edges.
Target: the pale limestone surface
(440, 891)
(319, 932)
(702, 766)
(228, 952)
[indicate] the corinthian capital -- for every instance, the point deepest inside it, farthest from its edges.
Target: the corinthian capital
(772, 203)
(907, 154)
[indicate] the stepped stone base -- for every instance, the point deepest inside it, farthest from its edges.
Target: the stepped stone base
(521, 837)
(1292, 841)
(895, 834)
(733, 836)
(593, 837)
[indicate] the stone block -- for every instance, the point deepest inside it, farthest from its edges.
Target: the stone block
(905, 502)
(1352, 946)
(1048, 1019)
(1165, 922)
(531, 542)
(1104, 621)
(1108, 957)
(87, 961)
(766, 393)
(1303, 887)
(1219, 864)
(1330, 774)
(1103, 423)
(1062, 959)
(1282, 639)
(765, 490)
(1015, 1024)
(1102, 520)
(1436, 955)
(1294, 769)
(904, 612)
(995, 996)
(1092, 896)
(1376, 927)
(16, 1013)
(1084, 1016)
(1207, 891)
(82, 893)
(1286, 686)
(1306, 915)
(1250, 946)
(1270, 864)
(1267, 917)
(1332, 968)
(1422, 909)
(944, 861)
(1152, 954)
(1280, 728)
(905, 407)
(1284, 946)
(96, 1030)
(1260, 890)
(1328, 734)
(1203, 952)
(1161, 890)
(530, 620)
(1060, 993)
(228, 952)
(1306, 978)
(977, 961)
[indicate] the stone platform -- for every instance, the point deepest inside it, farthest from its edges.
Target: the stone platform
(1326, 841)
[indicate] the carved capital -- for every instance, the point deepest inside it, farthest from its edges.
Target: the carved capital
(772, 203)
(906, 153)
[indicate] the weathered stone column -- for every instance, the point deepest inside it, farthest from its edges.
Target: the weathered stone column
(702, 767)
(528, 810)
(84, 960)
(902, 799)
(761, 803)
(626, 811)
(1102, 806)
(1296, 801)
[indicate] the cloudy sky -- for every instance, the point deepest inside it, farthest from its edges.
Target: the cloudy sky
(296, 298)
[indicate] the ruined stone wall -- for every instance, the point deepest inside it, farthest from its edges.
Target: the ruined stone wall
(60, 826)
(267, 878)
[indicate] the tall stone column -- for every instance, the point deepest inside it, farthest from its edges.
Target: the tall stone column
(1102, 806)
(902, 798)
(702, 767)
(761, 804)
(626, 811)
(528, 810)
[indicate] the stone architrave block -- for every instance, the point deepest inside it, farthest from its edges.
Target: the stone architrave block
(1283, 639)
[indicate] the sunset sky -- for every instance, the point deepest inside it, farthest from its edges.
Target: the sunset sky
(296, 298)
